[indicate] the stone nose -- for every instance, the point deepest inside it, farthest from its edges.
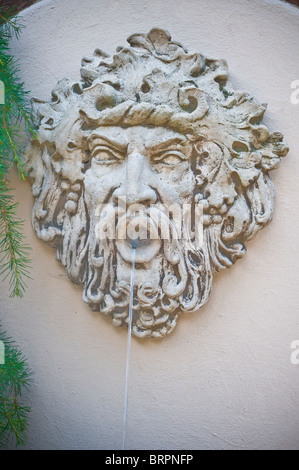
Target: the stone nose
(135, 187)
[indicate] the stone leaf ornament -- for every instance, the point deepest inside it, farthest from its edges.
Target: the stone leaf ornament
(154, 136)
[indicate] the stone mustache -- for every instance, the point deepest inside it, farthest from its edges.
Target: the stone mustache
(151, 144)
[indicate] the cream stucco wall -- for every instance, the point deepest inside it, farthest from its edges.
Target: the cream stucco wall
(223, 379)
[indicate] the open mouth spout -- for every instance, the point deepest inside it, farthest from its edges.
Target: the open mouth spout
(140, 233)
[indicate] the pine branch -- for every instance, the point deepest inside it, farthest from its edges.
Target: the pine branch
(15, 262)
(15, 376)
(7, 21)
(13, 148)
(15, 118)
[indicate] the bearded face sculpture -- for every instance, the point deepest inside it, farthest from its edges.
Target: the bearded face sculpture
(152, 145)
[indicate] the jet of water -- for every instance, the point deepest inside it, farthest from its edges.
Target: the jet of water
(134, 246)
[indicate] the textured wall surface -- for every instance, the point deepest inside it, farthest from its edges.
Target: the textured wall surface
(224, 378)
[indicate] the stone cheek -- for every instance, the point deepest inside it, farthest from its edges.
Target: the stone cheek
(152, 144)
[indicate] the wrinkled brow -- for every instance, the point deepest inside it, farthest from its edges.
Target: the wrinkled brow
(95, 138)
(169, 143)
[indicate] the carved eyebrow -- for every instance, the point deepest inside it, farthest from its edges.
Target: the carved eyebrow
(166, 145)
(95, 138)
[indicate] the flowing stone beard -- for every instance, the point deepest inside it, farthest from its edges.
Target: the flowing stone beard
(170, 275)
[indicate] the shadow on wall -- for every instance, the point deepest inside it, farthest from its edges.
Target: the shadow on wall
(16, 5)
(20, 5)
(294, 2)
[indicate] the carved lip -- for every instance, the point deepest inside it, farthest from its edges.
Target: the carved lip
(145, 231)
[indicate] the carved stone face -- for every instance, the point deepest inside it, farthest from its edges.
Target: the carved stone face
(139, 166)
(138, 180)
(142, 164)
(152, 145)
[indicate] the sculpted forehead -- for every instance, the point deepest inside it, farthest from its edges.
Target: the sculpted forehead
(145, 137)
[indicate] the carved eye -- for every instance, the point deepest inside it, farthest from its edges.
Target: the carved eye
(204, 155)
(71, 146)
(171, 158)
(105, 156)
(210, 156)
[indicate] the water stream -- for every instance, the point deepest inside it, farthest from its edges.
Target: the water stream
(134, 246)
